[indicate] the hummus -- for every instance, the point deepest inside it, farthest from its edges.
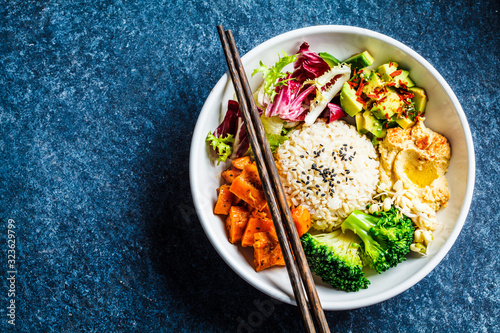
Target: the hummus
(419, 158)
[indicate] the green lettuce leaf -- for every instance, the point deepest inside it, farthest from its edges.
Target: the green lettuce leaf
(276, 133)
(275, 140)
(272, 75)
(222, 146)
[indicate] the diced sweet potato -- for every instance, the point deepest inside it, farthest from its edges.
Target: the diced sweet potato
(256, 224)
(229, 174)
(236, 223)
(248, 192)
(224, 200)
(267, 251)
(241, 162)
(302, 219)
(251, 173)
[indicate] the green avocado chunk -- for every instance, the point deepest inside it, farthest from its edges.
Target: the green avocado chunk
(360, 123)
(387, 69)
(384, 101)
(419, 98)
(348, 100)
(372, 124)
(405, 122)
(387, 106)
(403, 78)
(374, 83)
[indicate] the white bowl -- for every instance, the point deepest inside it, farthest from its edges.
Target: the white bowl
(443, 114)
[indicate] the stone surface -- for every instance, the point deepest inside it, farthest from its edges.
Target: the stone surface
(98, 103)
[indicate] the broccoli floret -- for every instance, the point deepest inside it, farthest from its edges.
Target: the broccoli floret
(386, 237)
(335, 258)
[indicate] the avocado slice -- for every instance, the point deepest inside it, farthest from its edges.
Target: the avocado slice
(387, 68)
(360, 60)
(360, 123)
(348, 100)
(404, 78)
(387, 106)
(329, 59)
(405, 122)
(374, 82)
(372, 124)
(419, 99)
(367, 123)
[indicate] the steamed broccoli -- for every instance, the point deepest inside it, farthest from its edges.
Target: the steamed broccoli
(335, 258)
(386, 237)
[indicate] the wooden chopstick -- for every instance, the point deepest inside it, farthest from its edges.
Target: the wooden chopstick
(293, 236)
(298, 271)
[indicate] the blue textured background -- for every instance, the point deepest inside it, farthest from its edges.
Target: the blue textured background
(97, 107)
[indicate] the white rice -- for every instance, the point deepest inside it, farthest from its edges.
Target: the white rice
(330, 169)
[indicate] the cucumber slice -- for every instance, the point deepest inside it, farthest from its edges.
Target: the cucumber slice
(360, 60)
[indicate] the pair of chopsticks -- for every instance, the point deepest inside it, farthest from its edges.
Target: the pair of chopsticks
(298, 269)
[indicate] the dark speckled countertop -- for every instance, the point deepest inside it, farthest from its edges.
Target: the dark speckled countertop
(98, 103)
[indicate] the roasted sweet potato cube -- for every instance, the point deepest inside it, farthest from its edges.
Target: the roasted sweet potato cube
(302, 219)
(256, 224)
(236, 223)
(224, 200)
(241, 162)
(248, 192)
(251, 173)
(229, 174)
(267, 251)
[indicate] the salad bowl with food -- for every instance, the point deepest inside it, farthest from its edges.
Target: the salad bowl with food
(373, 150)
